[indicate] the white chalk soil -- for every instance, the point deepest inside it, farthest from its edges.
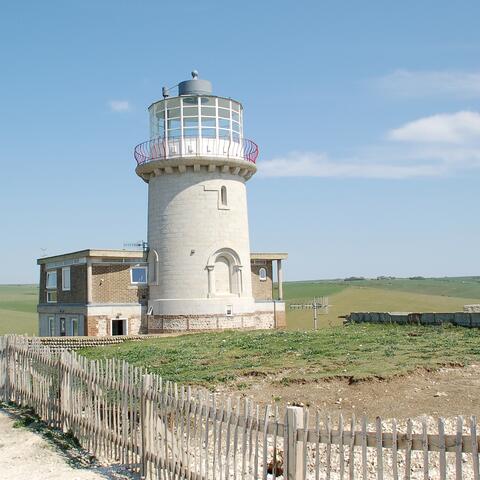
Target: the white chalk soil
(27, 455)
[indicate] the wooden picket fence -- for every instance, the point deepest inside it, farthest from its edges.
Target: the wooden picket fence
(159, 429)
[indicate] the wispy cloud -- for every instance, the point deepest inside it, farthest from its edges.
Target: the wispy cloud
(446, 83)
(310, 164)
(460, 128)
(119, 105)
(434, 146)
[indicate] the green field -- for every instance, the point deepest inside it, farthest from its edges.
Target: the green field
(18, 307)
(18, 302)
(399, 295)
(355, 352)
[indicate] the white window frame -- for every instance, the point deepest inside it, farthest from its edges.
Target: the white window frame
(50, 273)
(74, 320)
(145, 267)
(262, 278)
(51, 326)
(66, 275)
(229, 310)
(51, 292)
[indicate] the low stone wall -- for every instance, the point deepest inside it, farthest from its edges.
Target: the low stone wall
(475, 308)
(74, 343)
(463, 319)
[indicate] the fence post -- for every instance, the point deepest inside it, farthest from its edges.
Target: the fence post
(294, 449)
(144, 406)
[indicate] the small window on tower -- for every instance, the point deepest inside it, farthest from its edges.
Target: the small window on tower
(262, 274)
(223, 195)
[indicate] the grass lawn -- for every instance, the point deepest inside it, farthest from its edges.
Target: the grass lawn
(355, 351)
(18, 309)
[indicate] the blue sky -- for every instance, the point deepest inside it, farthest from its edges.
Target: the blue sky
(366, 114)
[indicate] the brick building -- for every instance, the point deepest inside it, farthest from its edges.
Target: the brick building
(105, 292)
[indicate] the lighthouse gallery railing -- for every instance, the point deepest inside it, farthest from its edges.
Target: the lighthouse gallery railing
(162, 149)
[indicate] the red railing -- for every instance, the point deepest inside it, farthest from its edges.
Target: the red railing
(162, 149)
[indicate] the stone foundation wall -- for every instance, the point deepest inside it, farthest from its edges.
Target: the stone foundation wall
(100, 325)
(167, 323)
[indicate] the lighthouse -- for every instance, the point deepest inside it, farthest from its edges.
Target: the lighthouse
(196, 164)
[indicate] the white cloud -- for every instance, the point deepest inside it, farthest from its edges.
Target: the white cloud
(310, 164)
(460, 127)
(119, 105)
(434, 146)
(407, 83)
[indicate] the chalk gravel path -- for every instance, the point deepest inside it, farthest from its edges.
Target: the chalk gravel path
(25, 455)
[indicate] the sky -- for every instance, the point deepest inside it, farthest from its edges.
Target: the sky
(366, 114)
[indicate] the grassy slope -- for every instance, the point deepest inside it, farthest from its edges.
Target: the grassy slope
(433, 295)
(18, 304)
(354, 351)
(363, 299)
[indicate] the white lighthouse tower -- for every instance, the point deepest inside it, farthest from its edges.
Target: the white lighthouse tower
(196, 164)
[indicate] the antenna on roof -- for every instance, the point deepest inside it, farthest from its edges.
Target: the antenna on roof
(139, 244)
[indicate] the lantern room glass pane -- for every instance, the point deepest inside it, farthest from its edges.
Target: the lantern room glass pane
(190, 101)
(190, 111)
(235, 107)
(235, 116)
(174, 133)
(190, 122)
(174, 123)
(209, 132)
(208, 122)
(222, 112)
(222, 102)
(236, 137)
(223, 133)
(173, 103)
(223, 123)
(208, 101)
(173, 113)
(190, 132)
(209, 111)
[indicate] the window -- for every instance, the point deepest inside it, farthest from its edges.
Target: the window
(223, 196)
(138, 275)
(74, 326)
(51, 326)
(52, 279)
(262, 274)
(51, 296)
(66, 279)
(229, 310)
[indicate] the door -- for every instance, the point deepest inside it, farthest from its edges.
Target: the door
(119, 327)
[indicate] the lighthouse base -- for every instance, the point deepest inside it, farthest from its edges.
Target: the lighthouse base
(269, 315)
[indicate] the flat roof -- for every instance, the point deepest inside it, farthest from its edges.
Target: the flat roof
(137, 254)
(92, 253)
(269, 256)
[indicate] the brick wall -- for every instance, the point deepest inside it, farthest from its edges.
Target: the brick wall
(42, 293)
(262, 290)
(111, 284)
(78, 285)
